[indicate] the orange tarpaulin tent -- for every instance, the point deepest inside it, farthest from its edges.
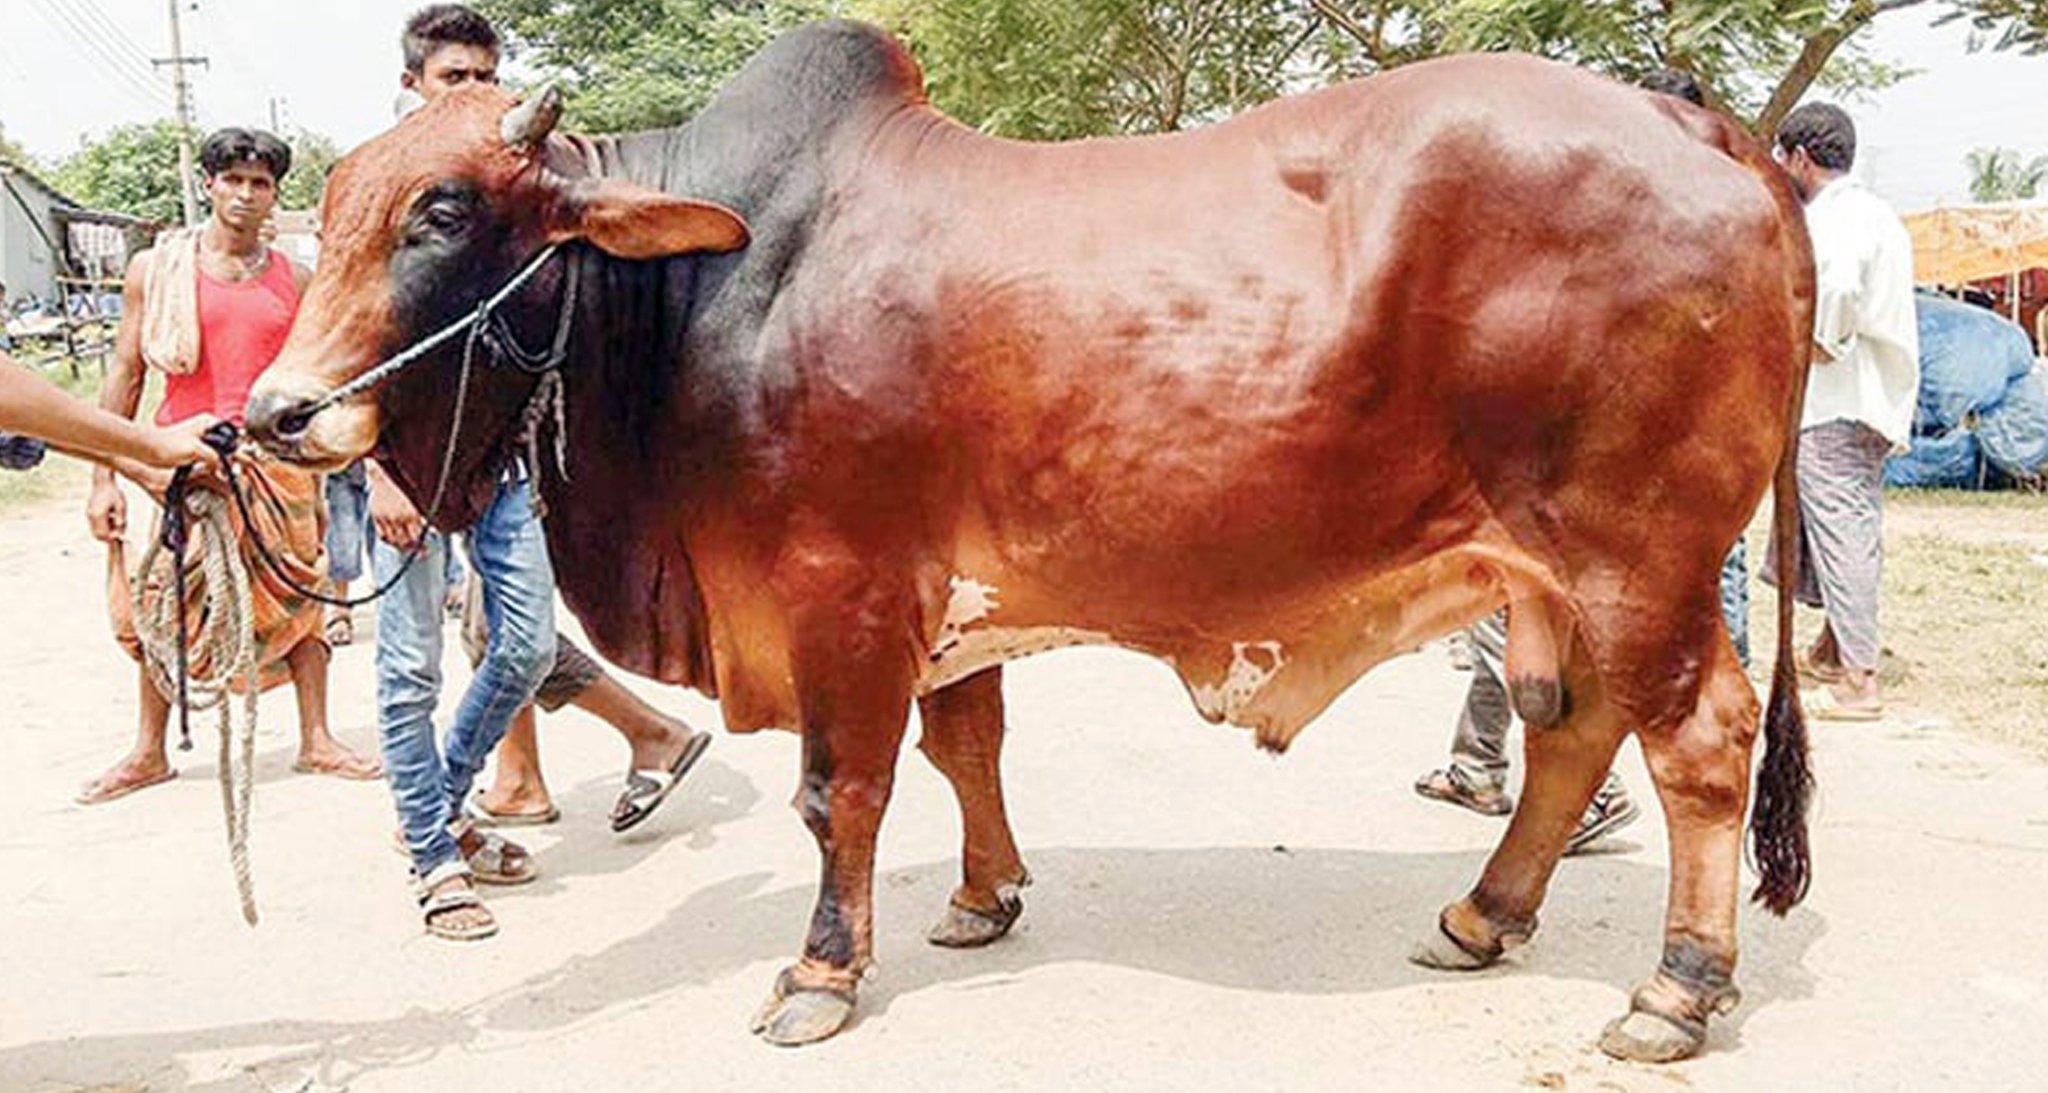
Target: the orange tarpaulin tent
(1957, 244)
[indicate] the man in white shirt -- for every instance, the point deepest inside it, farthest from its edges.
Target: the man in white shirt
(1860, 396)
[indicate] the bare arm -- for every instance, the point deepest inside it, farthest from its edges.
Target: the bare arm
(122, 394)
(106, 511)
(396, 520)
(33, 405)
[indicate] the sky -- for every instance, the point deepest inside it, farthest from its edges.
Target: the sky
(73, 67)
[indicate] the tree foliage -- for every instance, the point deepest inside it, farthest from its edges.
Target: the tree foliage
(2002, 174)
(1066, 68)
(639, 64)
(133, 169)
(312, 156)
(13, 153)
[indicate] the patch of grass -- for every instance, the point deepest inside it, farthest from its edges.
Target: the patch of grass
(1950, 500)
(1963, 630)
(1964, 616)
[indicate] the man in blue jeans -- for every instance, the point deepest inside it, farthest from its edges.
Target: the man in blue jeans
(508, 557)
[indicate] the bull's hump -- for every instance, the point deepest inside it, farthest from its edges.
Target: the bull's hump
(836, 60)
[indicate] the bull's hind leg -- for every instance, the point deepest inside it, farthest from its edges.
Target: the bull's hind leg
(1565, 764)
(1701, 768)
(963, 737)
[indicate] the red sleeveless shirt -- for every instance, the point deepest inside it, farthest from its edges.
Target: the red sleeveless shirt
(241, 327)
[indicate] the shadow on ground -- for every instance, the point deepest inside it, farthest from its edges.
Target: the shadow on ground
(1304, 921)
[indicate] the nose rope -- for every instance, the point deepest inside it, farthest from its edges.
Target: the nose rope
(488, 334)
(397, 362)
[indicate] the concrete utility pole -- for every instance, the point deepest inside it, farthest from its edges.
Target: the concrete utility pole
(178, 62)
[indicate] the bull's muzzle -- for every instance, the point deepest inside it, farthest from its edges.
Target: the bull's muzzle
(285, 415)
(279, 419)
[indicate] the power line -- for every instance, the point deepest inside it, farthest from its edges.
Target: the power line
(108, 30)
(217, 30)
(69, 22)
(145, 88)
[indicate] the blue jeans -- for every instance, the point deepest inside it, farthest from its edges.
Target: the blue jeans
(350, 530)
(1735, 599)
(508, 553)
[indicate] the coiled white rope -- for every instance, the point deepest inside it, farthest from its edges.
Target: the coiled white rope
(226, 642)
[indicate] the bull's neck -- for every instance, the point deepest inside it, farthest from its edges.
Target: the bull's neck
(618, 504)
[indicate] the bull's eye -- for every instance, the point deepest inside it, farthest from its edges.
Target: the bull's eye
(445, 219)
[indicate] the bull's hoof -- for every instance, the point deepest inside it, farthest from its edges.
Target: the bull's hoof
(796, 1015)
(1643, 1037)
(1445, 953)
(967, 928)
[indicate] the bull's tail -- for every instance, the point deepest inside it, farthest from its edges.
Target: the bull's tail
(1784, 784)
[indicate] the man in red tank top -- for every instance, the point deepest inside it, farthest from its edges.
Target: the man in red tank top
(210, 308)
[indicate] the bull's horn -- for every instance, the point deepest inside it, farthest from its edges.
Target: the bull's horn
(529, 123)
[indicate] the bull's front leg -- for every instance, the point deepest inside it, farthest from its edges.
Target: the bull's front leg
(849, 766)
(854, 687)
(963, 737)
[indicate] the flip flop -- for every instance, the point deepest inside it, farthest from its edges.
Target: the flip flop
(1444, 785)
(647, 789)
(340, 629)
(1824, 706)
(436, 905)
(502, 863)
(86, 796)
(484, 817)
(1814, 672)
(346, 774)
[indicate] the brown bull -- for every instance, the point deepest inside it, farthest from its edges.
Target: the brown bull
(1271, 401)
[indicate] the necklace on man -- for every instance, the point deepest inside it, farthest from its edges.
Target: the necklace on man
(237, 268)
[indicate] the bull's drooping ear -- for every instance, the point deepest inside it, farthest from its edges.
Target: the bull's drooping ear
(627, 220)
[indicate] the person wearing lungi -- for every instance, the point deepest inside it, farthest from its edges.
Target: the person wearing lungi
(209, 308)
(1860, 395)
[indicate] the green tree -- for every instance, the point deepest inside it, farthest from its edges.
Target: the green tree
(1069, 68)
(13, 153)
(1758, 57)
(133, 169)
(2000, 174)
(639, 64)
(312, 156)
(1064, 68)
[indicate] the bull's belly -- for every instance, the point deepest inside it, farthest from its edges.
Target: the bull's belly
(1268, 668)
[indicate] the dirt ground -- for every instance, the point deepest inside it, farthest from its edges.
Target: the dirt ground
(1204, 917)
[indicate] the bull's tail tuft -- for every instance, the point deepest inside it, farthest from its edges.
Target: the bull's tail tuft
(1784, 784)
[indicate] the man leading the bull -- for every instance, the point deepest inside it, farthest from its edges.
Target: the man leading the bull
(521, 658)
(447, 46)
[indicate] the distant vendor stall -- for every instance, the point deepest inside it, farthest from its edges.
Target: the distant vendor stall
(2001, 248)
